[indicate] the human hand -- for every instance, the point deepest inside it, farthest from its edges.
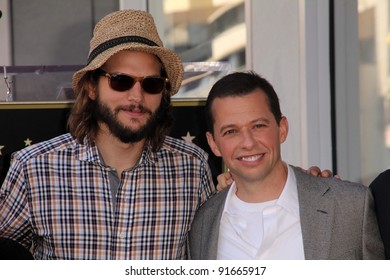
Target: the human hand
(224, 180)
(316, 171)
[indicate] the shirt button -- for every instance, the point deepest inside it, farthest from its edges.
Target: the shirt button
(122, 235)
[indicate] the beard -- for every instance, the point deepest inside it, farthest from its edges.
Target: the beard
(125, 133)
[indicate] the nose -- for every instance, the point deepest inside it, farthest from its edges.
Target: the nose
(135, 93)
(247, 139)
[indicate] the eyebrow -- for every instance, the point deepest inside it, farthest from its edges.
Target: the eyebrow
(225, 127)
(229, 126)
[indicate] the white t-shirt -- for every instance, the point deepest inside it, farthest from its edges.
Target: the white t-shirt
(269, 230)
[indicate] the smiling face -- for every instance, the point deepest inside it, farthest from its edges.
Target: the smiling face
(248, 137)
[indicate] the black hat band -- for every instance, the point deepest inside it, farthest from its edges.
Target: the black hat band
(118, 41)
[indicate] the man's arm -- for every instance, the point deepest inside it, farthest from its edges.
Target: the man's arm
(14, 211)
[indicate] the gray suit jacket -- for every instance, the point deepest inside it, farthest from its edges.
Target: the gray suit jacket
(337, 219)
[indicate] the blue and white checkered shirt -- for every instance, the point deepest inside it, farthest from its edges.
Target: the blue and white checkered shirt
(56, 197)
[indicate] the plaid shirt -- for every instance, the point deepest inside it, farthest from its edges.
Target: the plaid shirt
(56, 197)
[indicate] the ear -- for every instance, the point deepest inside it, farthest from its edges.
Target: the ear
(283, 129)
(213, 146)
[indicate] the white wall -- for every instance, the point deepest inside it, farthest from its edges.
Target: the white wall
(347, 89)
(5, 47)
(133, 4)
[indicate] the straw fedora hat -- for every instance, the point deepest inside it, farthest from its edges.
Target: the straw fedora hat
(130, 30)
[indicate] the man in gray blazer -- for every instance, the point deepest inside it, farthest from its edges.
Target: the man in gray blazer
(274, 210)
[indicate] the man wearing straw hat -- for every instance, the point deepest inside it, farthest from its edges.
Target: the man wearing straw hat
(115, 187)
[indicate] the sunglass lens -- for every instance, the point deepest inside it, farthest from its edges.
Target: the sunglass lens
(153, 85)
(121, 82)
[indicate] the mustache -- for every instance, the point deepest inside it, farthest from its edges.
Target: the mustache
(131, 108)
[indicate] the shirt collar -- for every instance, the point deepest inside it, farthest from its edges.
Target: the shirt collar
(88, 151)
(288, 199)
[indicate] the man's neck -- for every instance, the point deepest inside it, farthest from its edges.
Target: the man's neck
(269, 188)
(117, 154)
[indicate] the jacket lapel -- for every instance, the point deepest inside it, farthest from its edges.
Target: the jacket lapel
(316, 213)
(210, 226)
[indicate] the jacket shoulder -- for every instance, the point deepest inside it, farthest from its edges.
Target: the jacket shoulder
(338, 187)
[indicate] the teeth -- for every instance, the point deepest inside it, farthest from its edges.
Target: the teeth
(251, 158)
